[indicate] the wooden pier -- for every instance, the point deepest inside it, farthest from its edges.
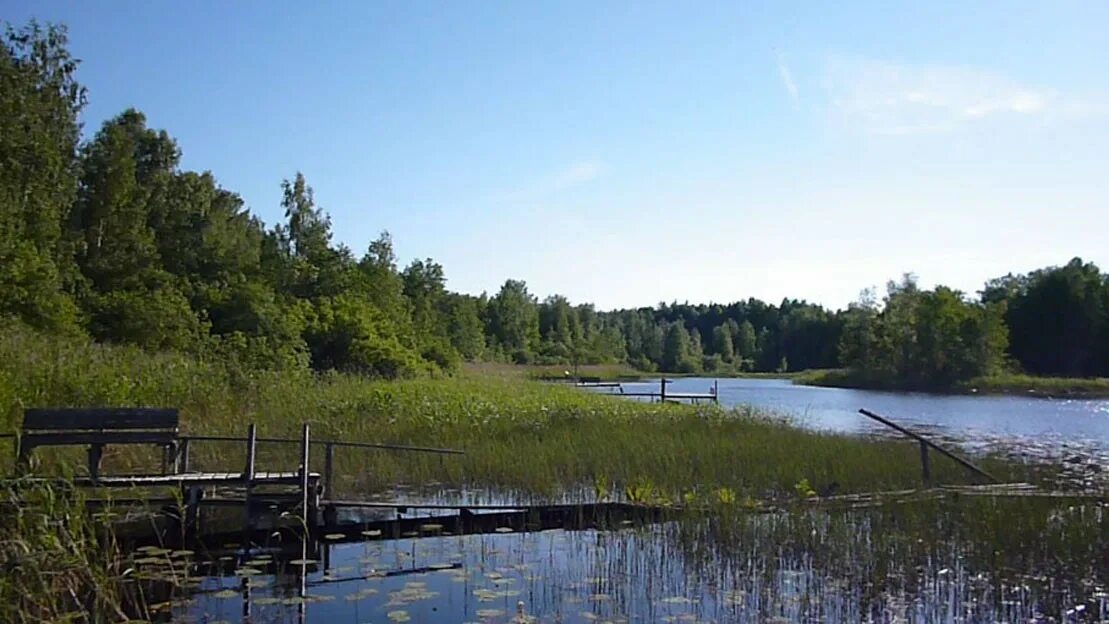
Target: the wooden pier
(661, 396)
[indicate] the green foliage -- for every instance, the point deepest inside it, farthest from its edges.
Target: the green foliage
(1058, 319)
(677, 351)
(722, 343)
(39, 103)
(512, 321)
(348, 334)
(923, 339)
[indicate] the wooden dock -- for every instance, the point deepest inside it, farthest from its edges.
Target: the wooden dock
(182, 505)
(663, 395)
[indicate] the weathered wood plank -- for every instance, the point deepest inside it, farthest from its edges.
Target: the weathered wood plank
(336, 443)
(81, 438)
(53, 419)
(198, 478)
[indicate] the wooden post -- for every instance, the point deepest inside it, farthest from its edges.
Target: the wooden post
(925, 465)
(662, 388)
(23, 457)
(183, 457)
(716, 391)
(304, 443)
(96, 454)
(251, 450)
(193, 495)
(169, 456)
(248, 476)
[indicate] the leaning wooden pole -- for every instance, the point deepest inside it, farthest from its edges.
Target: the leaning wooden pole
(926, 443)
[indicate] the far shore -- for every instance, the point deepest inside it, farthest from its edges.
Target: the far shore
(1009, 384)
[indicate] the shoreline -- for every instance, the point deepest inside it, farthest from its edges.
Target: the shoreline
(1009, 385)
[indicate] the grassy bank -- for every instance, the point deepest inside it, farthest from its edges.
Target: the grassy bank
(1007, 383)
(522, 437)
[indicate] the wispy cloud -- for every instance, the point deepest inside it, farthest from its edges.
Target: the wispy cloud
(576, 173)
(570, 176)
(893, 98)
(787, 80)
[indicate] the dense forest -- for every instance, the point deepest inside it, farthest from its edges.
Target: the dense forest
(105, 236)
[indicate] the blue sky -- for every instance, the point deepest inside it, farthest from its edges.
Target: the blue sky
(628, 153)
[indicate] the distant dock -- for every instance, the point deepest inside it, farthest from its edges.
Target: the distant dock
(660, 396)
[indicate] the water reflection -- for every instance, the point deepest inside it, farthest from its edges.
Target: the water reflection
(936, 562)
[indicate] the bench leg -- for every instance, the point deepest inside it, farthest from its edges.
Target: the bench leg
(96, 455)
(23, 459)
(169, 457)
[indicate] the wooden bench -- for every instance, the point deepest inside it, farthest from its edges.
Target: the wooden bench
(96, 428)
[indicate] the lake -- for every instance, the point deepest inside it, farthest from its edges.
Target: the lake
(1037, 427)
(926, 562)
(972, 560)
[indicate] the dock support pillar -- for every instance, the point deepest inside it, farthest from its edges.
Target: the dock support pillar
(193, 494)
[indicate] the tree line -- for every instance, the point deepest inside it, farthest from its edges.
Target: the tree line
(109, 238)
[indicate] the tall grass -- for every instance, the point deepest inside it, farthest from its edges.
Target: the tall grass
(52, 555)
(520, 437)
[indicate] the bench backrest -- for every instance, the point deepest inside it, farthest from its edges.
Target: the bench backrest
(100, 419)
(80, 426)
(97, 427)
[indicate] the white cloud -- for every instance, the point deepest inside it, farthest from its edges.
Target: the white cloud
(787, 80)
(574, 174)
(577, 173)
(893, 98)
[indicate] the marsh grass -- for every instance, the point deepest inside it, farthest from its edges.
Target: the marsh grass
(52, 554)
(521, 437)
(1014, 383)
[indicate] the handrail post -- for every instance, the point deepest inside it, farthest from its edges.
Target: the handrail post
(304, 444)
(662, 390)
(248, 474)
(251, 450)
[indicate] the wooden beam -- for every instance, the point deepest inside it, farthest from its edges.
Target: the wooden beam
(337, 443)
(923, 440)
(53, 419)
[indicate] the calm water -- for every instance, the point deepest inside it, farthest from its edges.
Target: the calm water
(814, 567)
(1059, 428)
(978, 560)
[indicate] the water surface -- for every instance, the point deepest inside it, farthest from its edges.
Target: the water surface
(1061, 428)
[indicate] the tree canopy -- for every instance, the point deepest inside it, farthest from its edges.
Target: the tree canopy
(111, 238)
